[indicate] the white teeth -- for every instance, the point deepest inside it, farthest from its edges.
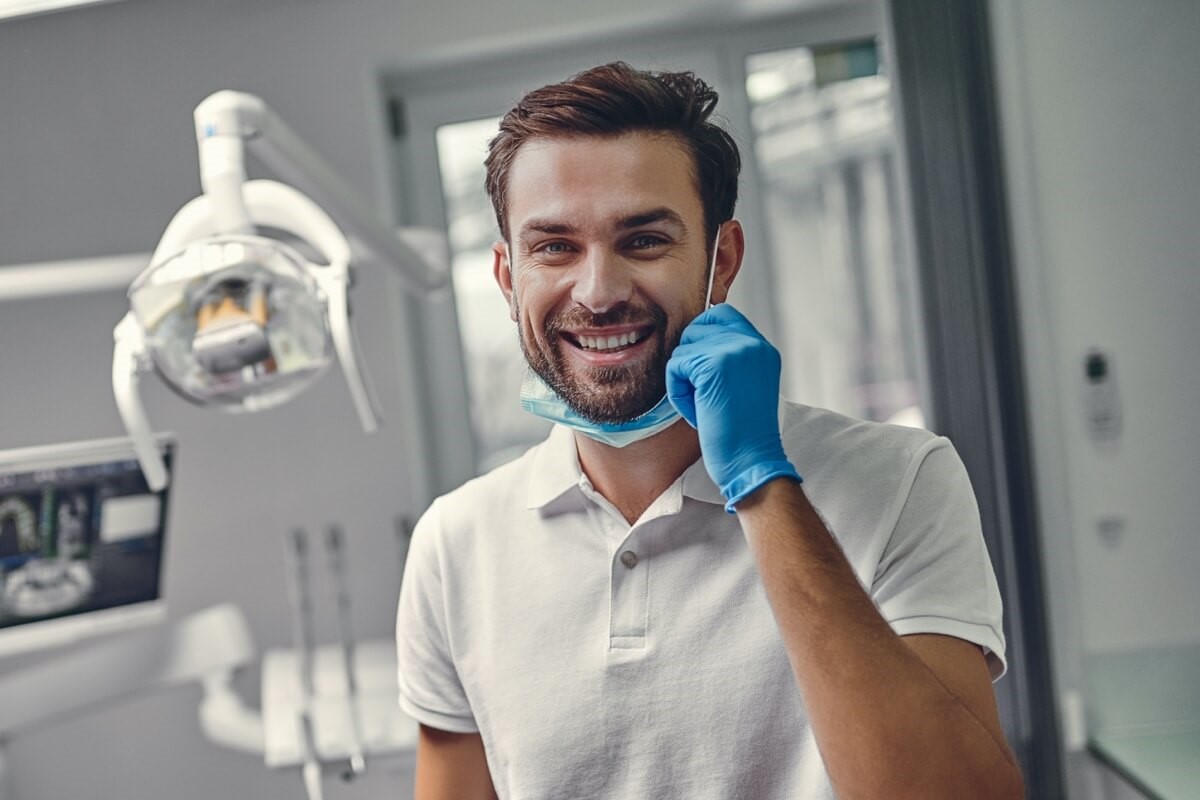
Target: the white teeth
(608, 343)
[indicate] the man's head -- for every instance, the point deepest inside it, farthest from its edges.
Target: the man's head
(609, 190)
(616, 99)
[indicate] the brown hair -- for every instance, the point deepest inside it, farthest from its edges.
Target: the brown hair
(613, 99)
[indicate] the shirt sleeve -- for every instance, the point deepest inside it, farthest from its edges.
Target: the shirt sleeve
(430, 689)
(935, 575)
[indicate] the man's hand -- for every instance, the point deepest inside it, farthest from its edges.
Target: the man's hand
(723, 378)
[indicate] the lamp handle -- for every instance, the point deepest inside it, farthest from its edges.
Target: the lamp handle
(127, 353)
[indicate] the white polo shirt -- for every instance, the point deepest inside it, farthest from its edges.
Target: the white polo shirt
(603, 660)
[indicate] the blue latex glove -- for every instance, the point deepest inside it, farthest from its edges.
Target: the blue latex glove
(724, 380)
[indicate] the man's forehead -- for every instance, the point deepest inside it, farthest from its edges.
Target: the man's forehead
(612, 181)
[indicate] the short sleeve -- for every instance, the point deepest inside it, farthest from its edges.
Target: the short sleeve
(935, 575)
(430, 689)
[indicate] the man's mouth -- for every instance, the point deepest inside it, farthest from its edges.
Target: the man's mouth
(611, 341)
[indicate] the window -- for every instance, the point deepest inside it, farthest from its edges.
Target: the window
(823, 144)
(491, 353)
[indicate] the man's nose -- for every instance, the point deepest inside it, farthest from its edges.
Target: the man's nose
(603, 281)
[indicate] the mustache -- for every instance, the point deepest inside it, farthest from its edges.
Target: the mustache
(623, 314)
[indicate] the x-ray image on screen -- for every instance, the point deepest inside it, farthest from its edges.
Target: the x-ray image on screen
(80, 532)
(20, 536)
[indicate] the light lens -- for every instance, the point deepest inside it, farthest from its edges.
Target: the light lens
(234, 322)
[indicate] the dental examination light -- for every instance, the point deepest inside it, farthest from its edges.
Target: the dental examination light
(232, 312)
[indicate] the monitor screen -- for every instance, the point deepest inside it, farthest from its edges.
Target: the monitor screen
(81, 542)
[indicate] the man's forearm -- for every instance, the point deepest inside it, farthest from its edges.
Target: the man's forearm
(885, 724)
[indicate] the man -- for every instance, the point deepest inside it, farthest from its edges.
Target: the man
(650, 606)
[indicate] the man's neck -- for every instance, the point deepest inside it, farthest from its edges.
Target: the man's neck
(632, 477)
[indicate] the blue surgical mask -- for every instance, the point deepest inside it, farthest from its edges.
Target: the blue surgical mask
(540, 400)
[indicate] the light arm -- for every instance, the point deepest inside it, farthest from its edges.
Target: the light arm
(346, 345)
(229, 117)
(128, 348)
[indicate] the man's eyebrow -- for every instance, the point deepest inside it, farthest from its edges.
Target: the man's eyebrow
(547, 226)
(647, 217)
(559, 228)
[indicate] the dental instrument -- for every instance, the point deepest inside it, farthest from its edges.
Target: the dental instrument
(335, 549)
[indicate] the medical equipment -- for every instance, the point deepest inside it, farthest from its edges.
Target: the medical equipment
(335, 547)
(321, 704)
(302, 636)
(81, 542)
(245, 301)
(324, 704)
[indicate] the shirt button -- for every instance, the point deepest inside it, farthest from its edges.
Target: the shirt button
(629, 559)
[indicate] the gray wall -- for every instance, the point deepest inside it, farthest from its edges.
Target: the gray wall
(96, 154)
(1101, 122)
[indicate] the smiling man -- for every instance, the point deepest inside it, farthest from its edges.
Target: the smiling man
(653, 603)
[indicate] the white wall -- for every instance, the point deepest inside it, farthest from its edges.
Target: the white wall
(96, 154)
(1101, 120)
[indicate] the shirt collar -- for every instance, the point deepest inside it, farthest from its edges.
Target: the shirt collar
(698, 485)
(555, 468)
(556, 471)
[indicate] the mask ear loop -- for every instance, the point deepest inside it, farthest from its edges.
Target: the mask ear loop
(712, 271)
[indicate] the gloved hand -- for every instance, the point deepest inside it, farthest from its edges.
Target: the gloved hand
(723, 378)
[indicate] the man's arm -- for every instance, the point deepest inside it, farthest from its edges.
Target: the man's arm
(452, 766)
(912, 718)
(893, 717)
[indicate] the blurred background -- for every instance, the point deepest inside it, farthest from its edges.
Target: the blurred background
(978, 217)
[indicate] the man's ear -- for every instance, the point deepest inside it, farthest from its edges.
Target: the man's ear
(730, 251)
(502, 272)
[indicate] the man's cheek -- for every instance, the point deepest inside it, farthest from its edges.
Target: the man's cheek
(536, 338)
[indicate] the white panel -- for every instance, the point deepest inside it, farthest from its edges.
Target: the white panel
(129, 517)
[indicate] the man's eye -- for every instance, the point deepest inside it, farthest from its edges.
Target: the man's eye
(555, 248)
(646, 242)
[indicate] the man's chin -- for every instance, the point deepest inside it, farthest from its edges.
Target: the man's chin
(609, 395)
(610, 412)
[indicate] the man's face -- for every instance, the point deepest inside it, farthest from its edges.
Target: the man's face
(608, 266)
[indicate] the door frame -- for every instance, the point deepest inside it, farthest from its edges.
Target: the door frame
(955, 179)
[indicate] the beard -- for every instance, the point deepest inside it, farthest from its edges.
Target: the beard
(609, 394)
